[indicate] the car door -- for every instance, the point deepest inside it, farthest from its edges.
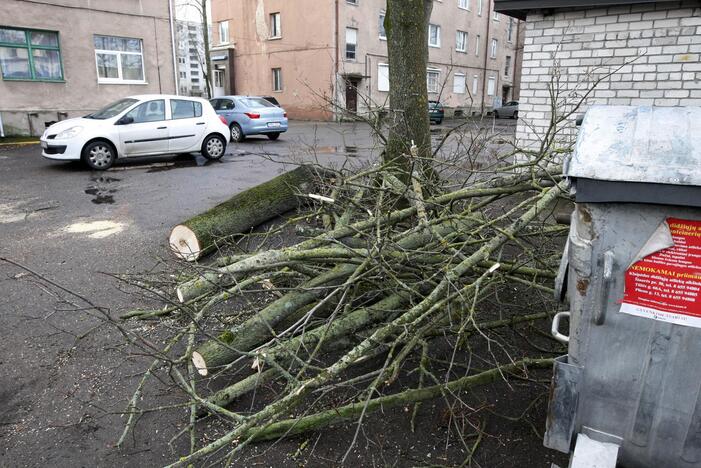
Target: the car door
(144, 129)
(186, 125)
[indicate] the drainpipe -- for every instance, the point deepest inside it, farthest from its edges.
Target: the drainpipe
(486, 55)
(337, 58)
(516, 54)
(172, 45)
(2, 129)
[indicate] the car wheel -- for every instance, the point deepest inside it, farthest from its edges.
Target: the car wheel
(237, 135)
(99, 155)
(496, 114)
(213, 147)
(438, 122)
(273, 136)
(515, 115)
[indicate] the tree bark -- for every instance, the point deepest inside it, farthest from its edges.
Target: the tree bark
(197, 236)
(406, 24)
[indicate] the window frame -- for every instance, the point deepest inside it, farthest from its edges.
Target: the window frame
(477, 45)
(354, 44)
(119, 54)
(381, 32)
(379, 83)
(465, 45)
(438, 35)
(507, 66)
(29, 47)
(479, 7)
(221, 40)
(475, 84)
(494, 48)
(491, 84)
(277, 79)
(466, 4)
(275, 26)
(437, 73)
(464, 83)
(510, 31)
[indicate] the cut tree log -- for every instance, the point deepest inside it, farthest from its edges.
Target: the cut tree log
(197, 236)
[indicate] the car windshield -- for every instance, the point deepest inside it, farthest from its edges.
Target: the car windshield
(113, 109)
(255, 103)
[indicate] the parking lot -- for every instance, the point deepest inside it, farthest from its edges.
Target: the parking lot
(63, 382)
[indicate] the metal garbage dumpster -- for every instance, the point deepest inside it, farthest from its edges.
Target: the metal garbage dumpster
(628, 391)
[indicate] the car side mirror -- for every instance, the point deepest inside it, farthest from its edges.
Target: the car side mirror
(126, 120)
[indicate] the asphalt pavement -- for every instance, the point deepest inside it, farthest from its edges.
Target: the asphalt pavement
(64, 381)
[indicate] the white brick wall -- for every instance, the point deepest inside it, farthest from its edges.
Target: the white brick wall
(656, 46)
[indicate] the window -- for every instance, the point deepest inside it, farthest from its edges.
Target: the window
(477, 45)
(491, 85)
(119, 59)
(475, 84)
(352, 2)
(218, 78)
(195, 65)
(495, 16)
(151, 111)
(275, 31)
(507, 66)
(30, 55)
(434, 35)
(182, 109)
(510, 30)
(459, 83)
(183, 75)
(383, 77)
(493, 52)
(432, 80)
(277, 79)
(194, 73)
(479, 7)
(461, 41)
(223, 32)
(464, 4)
(381, 26)
(351, 43)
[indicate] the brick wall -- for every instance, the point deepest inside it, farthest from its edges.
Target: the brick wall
(655, 45)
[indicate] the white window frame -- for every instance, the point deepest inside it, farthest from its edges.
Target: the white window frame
(277, 79)
(118, 53)
(493, 49)
(224, 32)
(477, 45)
(382, 83)
(458, 35)
(456, 89)
(433, 72)
(510, 30)
(475, 84)
(438, 35)
(507, 65)
(352, 2)
(479, 7)
(275, 25)
(464, 4)
(354, 31)
(380, 26)
(491, 86)
(496, 16)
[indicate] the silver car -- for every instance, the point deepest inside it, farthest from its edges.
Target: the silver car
(508, 110)
(251, 115)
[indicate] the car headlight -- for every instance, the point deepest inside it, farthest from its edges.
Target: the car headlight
(69, 133)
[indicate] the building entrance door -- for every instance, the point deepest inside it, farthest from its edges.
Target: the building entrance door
(219, 83)
(352, 94)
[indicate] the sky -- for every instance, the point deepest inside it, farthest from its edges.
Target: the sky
(189, 10)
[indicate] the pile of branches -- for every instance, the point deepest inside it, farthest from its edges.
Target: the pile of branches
(383, 266)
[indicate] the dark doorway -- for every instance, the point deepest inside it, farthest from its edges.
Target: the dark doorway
(352, 94)
(506, 94)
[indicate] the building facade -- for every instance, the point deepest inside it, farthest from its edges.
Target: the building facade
(65, 58)
(625, 52)
(190, 57)
(325, 58)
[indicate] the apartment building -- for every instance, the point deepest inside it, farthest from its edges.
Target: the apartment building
(636, 52)
(65, 58)
(190, 55)
(323, 59)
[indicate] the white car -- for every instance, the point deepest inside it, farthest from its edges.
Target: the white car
(138, 126)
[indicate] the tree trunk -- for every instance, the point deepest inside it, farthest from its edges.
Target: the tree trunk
(406, 24)
(197, 236)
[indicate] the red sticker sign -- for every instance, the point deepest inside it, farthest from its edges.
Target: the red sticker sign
(666, 285)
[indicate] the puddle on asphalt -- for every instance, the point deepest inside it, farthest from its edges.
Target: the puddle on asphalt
(100, 189)
(196, 161)
(350, 151)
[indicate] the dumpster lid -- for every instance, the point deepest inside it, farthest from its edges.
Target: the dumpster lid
(639, 144)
